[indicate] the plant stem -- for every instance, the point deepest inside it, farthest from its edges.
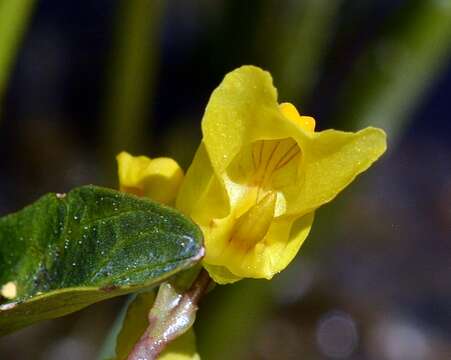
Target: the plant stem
(171, 316)
(388, 82)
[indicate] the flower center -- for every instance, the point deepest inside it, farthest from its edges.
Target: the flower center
(262, 167)
(270, 156)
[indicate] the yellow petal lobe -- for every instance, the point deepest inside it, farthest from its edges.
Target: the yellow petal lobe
(305, 122)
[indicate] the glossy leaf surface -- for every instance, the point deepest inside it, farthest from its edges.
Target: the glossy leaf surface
(65, 252)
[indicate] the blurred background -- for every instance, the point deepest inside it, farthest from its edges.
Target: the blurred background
(80, 81)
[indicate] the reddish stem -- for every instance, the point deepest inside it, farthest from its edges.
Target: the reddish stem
(173, 324)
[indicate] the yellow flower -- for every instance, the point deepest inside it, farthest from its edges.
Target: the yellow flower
(258, 176)
(158, 179)
(260, 173)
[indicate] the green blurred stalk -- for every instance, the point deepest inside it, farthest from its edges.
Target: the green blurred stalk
(14, 16)
(391, 77)
(298, 51)
(131, 76)
(228, 318)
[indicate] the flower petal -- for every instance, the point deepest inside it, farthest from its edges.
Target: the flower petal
(241, 110)
(273, 253)
(332, 160)
(158, 179)
(244, 109)
(201, 195)
(298, 233)
(220, 274)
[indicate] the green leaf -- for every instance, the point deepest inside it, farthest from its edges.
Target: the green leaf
(65, 252)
